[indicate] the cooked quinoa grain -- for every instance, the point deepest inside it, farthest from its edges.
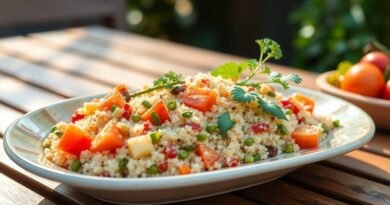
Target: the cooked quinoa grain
(173, 131)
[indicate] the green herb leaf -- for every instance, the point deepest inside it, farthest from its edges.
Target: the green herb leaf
(168, 79)
(230, 70)
(240, 95)
(271, 109)
(278, 78)
(269, 47)
(225, 123)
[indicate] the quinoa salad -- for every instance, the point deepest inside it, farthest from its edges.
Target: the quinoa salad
(178, 125)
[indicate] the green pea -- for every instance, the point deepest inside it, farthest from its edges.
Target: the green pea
(113, 108)
(146, 104)
(211, 128)
(325, 129)
(75, 165)
(186, 114)
(47, 146)
(153, 170)
(54, 128)
(201, 137)
(171, 105)
(183, 154)
(249, 159)
(59, 134)
(336, 123)
(288, 148)
(257, 157)
(249, 141)
(289, 112)
(190, 148)
(156, 118)
(122, 165)
(282, 129)
(155, 136)
(271, 94)
(136, 118)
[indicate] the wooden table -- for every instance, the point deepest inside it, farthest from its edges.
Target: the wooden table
(47, 67)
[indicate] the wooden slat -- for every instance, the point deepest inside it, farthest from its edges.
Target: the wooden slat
(225, 199)
(380, 144)
(56, 81)
(30, 50)
(47, 188)
(12, 193)
(170, 51)
(341, 185)
(280, 192)
(365, 164)
(23, 95)
(6, 117)
(66, 41)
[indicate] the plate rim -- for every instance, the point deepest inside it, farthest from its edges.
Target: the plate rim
(153, 183)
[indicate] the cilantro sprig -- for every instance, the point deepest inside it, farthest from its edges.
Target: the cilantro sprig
(168, 80)
(240, 95)
(269, 49)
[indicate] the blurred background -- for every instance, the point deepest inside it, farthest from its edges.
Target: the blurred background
(314, 34)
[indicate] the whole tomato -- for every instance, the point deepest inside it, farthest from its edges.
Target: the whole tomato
(381, 60)
(386, 93)
(365, 79)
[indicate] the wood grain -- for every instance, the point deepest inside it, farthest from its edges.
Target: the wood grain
(280, 192)
(224, 199)
(364, 164)
(66, 41)
(13, 193)
(6, 117)
(54, 80)
(341, 185)
(73, 64)
(24, 96)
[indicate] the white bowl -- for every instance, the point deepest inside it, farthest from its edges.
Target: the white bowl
(378, 109)
(23, 138)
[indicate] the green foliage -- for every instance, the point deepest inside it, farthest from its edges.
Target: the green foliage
(330, 31)
(225, 123)
(240, 95)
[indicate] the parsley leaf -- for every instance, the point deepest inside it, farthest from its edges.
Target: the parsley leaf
(225, 123)
(168, 80)
(240, 95)
(278, 78)
(272, 109)
(230, 70)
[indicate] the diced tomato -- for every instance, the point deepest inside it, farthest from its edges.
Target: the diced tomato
(233, 162)
(204, 82)
(146, 127)
(208, 155)
(184, 169)
(201, 99)
(169, 152)
(160, 109)
(195, 127)
(163, 167)
(307, 102)
(288, 105)
(122, 89)
(127, 110)
(115, 98)
(77, 116)
(260, 127)
(109, 138)
(307, 136)
(251, 89)
(74, 140)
